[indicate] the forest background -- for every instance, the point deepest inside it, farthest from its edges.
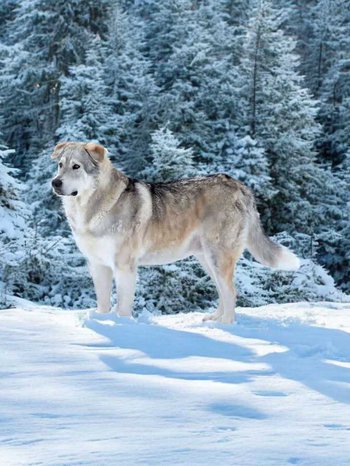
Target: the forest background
(175, 88)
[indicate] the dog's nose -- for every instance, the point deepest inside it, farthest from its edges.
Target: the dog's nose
(56, 183)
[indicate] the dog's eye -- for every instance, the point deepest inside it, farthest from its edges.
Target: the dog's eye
(76, 166)
(60, 164)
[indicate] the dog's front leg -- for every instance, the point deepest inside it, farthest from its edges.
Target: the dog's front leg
(103, 279)
(125, 281)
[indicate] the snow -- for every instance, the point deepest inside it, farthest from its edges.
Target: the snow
(78, 388)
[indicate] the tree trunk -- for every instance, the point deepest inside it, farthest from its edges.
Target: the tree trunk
(254, 84)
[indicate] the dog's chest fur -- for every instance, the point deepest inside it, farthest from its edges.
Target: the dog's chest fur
(95, 247)
(109, 232)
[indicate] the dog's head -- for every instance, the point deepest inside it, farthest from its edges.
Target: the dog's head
(78, 167)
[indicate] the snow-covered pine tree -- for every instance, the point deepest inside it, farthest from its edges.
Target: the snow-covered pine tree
(131, 90)
(44, 38)
(334, 113)
(334, 238)
(280, 115)
(334, 85)
(85, 111)
(7, 14)
(168, 161)
(246, 161)
(11, 206)
(237, 13)
(191, 47)
(12, 225)
(321, 46)
(321, 28)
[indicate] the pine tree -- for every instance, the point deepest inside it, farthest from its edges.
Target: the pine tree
(86, 112)
(7, 14)
(131, 90)
(45, 38)
(323, 41)
(246, 161)
(193, 55)
(12, 226)
(168, 161)
(322, 44)
(334, 85)
(11, 207)
(334, 238)
(280, 114)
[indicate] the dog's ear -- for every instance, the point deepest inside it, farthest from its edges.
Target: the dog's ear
(58, 150)
(96, 151)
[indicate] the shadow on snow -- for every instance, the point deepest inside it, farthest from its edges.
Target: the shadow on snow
(306, 359)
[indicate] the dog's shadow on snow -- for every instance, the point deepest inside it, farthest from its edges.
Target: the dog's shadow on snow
(150, 344)
(154, 350)
(311, 355)
(317, 357)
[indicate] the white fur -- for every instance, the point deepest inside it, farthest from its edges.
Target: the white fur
(102, 277)
(164, 257)
(172, 253)
(126, 282)
(288, 260)
(98, 249)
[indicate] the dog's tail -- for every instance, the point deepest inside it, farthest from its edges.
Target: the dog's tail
(266, 251)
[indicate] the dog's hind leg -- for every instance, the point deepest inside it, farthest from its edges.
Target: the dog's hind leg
(102, 277)
(228, 293)
(208, 269)
(222, 264)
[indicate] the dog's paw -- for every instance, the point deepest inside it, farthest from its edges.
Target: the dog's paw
(215, 316)
(226, 320)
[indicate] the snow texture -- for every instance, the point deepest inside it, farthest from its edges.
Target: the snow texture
(78, 388)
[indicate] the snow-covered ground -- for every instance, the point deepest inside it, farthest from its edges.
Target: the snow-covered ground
(80, 389)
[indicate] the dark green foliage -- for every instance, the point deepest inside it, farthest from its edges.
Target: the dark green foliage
(259, 90)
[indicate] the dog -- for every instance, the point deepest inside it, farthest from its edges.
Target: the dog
(120, 223)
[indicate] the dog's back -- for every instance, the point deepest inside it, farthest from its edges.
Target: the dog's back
(220, 210)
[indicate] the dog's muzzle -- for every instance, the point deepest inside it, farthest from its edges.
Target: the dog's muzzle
(57, 185)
